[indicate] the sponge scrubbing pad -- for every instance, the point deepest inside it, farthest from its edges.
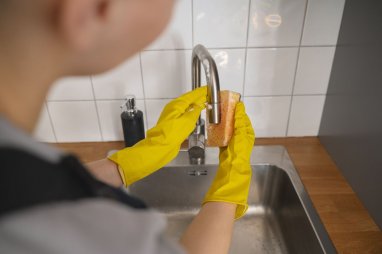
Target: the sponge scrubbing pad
(218, 135)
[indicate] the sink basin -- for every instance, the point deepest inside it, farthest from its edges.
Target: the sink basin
(280, 218)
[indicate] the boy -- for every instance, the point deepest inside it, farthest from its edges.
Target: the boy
(50, 203)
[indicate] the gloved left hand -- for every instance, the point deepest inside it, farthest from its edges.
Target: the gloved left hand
(162, 144)
(233, 178)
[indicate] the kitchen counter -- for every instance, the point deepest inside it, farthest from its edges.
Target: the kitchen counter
(348, 223)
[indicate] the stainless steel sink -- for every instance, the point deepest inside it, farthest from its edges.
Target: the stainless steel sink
(280, 218)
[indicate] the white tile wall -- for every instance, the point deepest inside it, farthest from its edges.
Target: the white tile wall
(276, 23)
(121, 81)
(75, 121)
(277, 53)
(322, 22)
(72, 88)
(269, 115)
(230, 64)
(221, 23)
(166, 74)
(306, 115)
(270, 71)
(313, 72)
(44, 131)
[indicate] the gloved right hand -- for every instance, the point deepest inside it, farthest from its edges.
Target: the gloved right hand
(163, 141)
(233, 178)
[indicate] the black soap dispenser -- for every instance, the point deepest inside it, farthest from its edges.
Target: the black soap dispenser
(132, 122)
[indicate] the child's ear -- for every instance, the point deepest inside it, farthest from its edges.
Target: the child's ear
(79, 21)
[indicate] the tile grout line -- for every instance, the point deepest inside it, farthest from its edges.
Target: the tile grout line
(143, 89)
(259, 47)
(87, 100)
(246, 48)
(170, 98)
(51, 121)
(96, 108)
(192, 24)
(296, 69)
(283, 95)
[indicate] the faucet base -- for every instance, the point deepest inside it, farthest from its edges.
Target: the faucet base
(196, 155)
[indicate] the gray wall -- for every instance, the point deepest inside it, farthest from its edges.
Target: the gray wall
(351, 126)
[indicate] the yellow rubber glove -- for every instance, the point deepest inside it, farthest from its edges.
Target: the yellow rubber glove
(162, 144)
(233, 178)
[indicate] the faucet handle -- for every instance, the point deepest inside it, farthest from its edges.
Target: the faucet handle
(214, 113)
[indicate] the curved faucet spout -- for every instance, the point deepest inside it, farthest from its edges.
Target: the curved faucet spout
(201, 56)
(196, 141)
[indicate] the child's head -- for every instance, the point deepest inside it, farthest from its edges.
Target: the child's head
(43, 40)
(88, 36)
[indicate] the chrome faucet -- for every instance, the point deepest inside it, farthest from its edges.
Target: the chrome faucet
(196, 141)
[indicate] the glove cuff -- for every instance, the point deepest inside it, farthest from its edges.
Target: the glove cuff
(122, 175)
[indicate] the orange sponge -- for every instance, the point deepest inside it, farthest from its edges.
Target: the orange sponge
(218, 135)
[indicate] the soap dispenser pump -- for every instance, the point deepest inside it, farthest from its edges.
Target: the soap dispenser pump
(132, 122)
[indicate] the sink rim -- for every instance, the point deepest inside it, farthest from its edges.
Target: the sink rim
(277, 156)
